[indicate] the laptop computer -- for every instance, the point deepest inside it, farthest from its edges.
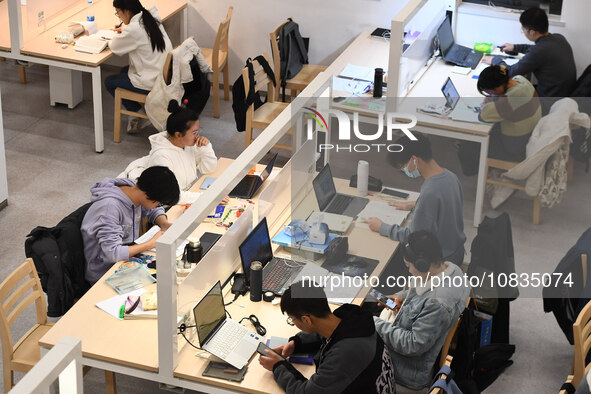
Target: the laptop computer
(249, 185)
(454, 53)
(219, 335)
(332, 202)
(461, 112)
(277, 272)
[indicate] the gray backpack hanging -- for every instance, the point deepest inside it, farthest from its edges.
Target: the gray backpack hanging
(293, 52)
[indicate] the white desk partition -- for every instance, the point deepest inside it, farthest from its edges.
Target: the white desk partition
(290, 118)
(63, 361)
(49, 10)
(416, 28)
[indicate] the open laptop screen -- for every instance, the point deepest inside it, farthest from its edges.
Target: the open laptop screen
(446, 37)
(324, 187)
(209, 313)
(451, 93)
(256, 247)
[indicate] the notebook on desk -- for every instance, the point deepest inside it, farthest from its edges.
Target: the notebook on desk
(250, 184)
(459, 112)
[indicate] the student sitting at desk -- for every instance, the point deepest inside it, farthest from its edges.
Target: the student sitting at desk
(439, 207)
(182, 149)
(427, 311)
(350, 356)
(551, 59)
(513, 105)
(143, 37)
(112, 222)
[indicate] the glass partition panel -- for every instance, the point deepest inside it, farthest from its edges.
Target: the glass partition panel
(43, 14)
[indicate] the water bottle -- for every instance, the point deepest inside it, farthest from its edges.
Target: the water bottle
(90, 12)
(378, 81)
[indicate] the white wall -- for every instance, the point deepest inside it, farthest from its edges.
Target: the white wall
(330, 24)
(501, 28)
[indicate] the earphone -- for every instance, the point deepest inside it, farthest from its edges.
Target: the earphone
(418, 260)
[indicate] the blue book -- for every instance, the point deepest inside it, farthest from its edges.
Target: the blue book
(207, 182)
(299, 358)
(485, 327)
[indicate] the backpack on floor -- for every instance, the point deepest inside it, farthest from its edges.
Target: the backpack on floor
(241, 102)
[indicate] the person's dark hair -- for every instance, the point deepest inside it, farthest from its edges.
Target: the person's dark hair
(179, 118)
(424, 245)
(159, 184)
(535, 19)
(151, 25)
(304, 299)
(419, 148)
(492, 77)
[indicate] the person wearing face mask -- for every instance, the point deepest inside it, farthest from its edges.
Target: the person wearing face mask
(428, 310)
(438, 209)
(182, 149)
(513, 105)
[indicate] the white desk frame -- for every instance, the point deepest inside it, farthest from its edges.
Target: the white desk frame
(16, 41)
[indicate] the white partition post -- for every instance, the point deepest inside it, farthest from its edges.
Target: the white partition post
(63, 361)
(16, 28)
(193, 217)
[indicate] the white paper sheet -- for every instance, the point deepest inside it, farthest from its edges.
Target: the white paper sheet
(382, 211)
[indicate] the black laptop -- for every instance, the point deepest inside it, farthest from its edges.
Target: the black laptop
(332, 202)
(454, 53)
(278, 273)
(249, 185)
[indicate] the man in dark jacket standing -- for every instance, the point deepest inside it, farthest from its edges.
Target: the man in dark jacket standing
(350, 356)
(551, 59)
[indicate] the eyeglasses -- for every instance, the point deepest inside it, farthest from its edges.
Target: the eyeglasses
(117, 14)
(196, 132)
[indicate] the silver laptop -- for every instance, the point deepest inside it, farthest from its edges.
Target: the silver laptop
(460, 112)
(221, 336)
(332, 202)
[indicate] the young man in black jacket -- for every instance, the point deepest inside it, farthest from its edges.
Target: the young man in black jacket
(350, 356)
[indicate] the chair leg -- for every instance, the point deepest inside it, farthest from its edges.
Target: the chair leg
(117, 125)
(570, 169)
(227, 81)
(216, 93)
(110, 385)
(536, 211)
(8, 379)
(22, 74)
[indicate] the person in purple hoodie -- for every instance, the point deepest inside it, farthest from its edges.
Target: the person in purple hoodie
(113, 220)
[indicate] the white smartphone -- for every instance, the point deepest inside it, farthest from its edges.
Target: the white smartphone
(389, 303)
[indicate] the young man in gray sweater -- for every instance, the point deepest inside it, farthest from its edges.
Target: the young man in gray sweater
(439, 206)
(551, 59)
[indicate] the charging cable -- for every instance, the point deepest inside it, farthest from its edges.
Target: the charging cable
(262, 331)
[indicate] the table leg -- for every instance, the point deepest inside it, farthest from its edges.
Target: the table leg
(97, 103)
(480, 182)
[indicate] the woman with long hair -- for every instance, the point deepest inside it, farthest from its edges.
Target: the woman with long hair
(143, 38)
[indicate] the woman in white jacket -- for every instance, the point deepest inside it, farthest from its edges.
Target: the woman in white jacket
(182, 149)
(143, 38)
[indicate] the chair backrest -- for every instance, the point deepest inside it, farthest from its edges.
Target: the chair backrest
(260, 79)
(166, 70)
(582, 336)
(19, 290)
(448, 339)
(221, 39)
(274, 36)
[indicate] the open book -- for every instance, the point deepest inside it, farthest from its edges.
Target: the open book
(90, 44)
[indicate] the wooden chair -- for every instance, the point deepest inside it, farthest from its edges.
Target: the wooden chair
(265, 114)
(568, 381)
(217, 57)
(507, 165)
(439, 390)
(17, 292)
(582, 336)
(121, 94)
(444, 355)
(302, 79)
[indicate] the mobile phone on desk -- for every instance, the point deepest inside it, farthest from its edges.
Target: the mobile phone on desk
(261, 350)
(395, 193)
(389, 303)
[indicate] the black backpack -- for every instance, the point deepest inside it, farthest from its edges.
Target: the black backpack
(293, 52)
(197, 90)
(240, 102)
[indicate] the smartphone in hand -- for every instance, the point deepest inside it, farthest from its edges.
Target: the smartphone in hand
(389, 303)
(261, 350)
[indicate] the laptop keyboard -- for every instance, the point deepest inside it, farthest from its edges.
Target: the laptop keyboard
(226, 339)
(472, 59)
(339, 204)
(459, 53)
(281, 271)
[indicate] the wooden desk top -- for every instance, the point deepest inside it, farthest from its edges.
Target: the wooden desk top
(373, 52)
(44, 45)
(119, 342)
